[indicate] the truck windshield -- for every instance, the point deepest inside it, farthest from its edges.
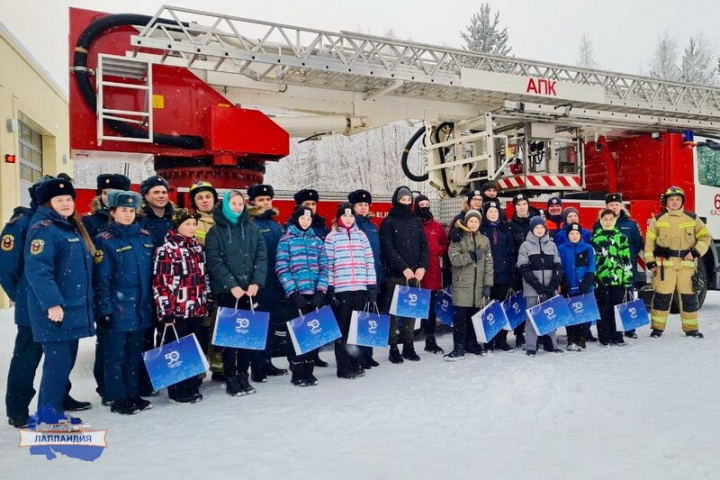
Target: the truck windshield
(708, 155)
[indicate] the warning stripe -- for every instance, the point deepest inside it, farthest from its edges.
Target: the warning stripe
(562, 181)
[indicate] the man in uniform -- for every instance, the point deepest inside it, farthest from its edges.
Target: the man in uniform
(674, 241)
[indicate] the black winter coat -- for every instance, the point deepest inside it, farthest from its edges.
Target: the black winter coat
(519, 227)
(403, 242)
(503, 251)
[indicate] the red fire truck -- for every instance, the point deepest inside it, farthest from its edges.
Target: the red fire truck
(189, 88)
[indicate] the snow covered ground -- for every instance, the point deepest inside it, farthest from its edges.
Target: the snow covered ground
(646, 411)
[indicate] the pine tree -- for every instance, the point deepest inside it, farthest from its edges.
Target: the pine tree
(697, 62)
(586, 53)
(664, 63)
(484, 35)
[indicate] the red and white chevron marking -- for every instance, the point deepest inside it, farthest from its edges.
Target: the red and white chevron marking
(541, 181)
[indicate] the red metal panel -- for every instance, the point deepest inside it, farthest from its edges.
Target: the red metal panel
(238, 130)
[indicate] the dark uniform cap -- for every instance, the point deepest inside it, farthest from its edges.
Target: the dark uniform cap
(306, 194)
(121, 198)
(112, 180)
(53, 188)
(152, 182)
(261, 191)
(613, 197)
(360, 196)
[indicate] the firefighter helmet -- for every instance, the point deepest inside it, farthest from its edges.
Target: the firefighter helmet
(673, 191)
(202, 186)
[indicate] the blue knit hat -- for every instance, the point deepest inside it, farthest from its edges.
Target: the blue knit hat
(535, 221)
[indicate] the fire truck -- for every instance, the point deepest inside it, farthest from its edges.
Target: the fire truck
(192, 90)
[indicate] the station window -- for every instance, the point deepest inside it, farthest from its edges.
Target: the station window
(30, 148)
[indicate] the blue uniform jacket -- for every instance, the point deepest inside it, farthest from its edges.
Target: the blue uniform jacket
(12, 262)
(97, 222)
(123, 276)
(59, 269)
(272, 232)
(502, 244)
(577, 260)
(157, 226)
(372, 232)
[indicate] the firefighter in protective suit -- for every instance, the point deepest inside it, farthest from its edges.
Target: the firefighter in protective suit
(675, 240)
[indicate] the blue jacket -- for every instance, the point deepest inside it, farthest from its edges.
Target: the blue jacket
(157, 226)
(561, 236)
(59, 270)
(12, 262)
(97, 221)
(123, 276)
(272, 232)
(302, 265)
(372, 232)
(502, 244)
(578, 260)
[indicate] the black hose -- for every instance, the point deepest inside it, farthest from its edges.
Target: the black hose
(82, 77)
(443, 151)
(404, 158)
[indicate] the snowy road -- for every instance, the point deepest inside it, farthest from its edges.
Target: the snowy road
(646, 411)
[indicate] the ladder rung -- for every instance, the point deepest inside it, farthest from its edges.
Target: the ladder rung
(125, 85)
(126, 139)
(126, 112)
(122, 119)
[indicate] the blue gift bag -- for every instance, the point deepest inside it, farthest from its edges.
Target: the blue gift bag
(514, 308)
(241, 329)
(369, 329)
(489, 321)
(584, 309)
(410, 302)
(173, 362)
(550, 315)
(313, 330)
(444, 309)
(631, 315)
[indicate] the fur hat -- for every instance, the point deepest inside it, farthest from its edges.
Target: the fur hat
(152, 182)
(122, 198)
(359, 196)
(306, 194)
(613, 197)
(112, 180)
(54, 187)
(261, 191)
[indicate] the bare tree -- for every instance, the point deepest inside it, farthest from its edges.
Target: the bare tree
(586, 53)
(485, 35)
(664, 63)
(697, 62)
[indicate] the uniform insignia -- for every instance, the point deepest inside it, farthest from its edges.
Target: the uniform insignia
(15, 218)
(123, 249)
(144, 232)
(106, 235)
(36, 246)
(148, 245)
(45, 223)
(73, 240)
(8, 242)
(99, 256)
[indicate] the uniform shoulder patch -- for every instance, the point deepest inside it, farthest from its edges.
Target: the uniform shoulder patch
(7, 243)
(37, 246)
(99, 256)
(15, 218)
(45, 223)
(144, 231)
(106, 235)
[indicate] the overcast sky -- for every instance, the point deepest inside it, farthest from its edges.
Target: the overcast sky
(624, 32)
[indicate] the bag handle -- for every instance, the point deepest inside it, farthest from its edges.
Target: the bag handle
(252, 304)
(162, 339)
(366, 309)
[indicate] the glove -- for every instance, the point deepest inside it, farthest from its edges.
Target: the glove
(477, 254)
(105, 321)
(565, 287)
(330, 297)
(587, 282)
(372, 295)
(318, 299)
(298, 300)
(651, 265)
(486, 292)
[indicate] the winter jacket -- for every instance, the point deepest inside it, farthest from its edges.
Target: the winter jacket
(403, 241)
(59, 270)
(612, 258)
(539, 264)
(350, 259)
(319, 226)
(437, 240)
(578, 264)
(236, 254)
(372, 232)
(629, 227)
(180, 281)
(502, 245)
(205, 223)
(561, 237)
(519, 227)
(12, 262)
(122, 276)
(302, 265)
(98, 220)
(554, 225)
(471, 271)
(272, 231)
(157, 226)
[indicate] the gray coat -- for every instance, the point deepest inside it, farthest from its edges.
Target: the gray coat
(539, 264)
(470, 275)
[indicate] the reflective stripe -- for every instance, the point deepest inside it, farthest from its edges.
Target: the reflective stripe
(702, 232)
(688, 263)
(658, 319)
(649, 257)
(651, 235)
(686, 225)
(665, 262)
(689, 322)
(664, 224)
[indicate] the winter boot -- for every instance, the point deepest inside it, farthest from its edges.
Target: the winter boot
(309, 377)
(72, 405)
(530, 353)
(501, 344)
(458, 353)
(141, 403)
(18, 422)
(408, 352)
(656, 333)
(273, 371)
(547, 344)
(318, 361)
(519, 340)
(432, 346)
(124, 406)
(258, 375)
(573, 347)
(694, 333)
(298, 374)
(581, 343)
(631, 334)
(245, 386)
(558, 350)
(233, 387)
(218, 377)
(395, 356)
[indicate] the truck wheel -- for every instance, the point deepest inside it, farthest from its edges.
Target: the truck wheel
(646, 293)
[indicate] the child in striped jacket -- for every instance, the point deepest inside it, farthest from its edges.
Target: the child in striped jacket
(302, 268)
(352, 282)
